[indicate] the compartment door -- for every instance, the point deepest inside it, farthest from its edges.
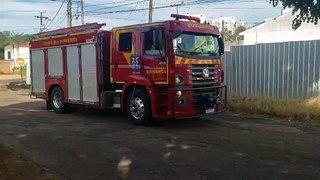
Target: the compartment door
(73, 77)
(89, 73)
(37, 65)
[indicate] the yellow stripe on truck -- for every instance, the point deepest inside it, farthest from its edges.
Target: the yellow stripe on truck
(186, 61)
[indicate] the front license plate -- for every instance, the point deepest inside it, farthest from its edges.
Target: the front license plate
(210, 110)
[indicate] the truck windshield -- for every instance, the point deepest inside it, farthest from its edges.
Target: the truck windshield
(190, 44)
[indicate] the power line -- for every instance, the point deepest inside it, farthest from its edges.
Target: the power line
(56, 13)
(18, 11)
(129, 10)
(121, 5)
(60, 19)
(232, 8)
(117, 2)
(118, 18)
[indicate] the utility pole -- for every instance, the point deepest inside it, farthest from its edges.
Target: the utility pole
(41, 17)
(177, 6)
(82, 12)
(150, 10)
(69, 13)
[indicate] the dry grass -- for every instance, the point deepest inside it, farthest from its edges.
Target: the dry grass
(303, 110)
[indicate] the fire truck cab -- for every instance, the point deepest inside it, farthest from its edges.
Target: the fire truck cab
(166, 70)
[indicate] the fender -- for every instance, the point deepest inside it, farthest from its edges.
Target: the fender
(137, 79)
(142, 81)
(59, 82)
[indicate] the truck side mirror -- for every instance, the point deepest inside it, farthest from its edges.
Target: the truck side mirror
(221, 46)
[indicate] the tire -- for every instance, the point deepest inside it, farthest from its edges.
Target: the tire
(48, 104)
(138, 107)
(57, 100)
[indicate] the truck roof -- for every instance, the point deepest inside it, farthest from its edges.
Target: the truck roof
(185, 25)
(69, 30)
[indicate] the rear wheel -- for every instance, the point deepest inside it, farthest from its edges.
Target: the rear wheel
(138, 108)
(57, 100)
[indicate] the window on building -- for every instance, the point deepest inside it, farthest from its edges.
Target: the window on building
(8, 54)
(125, 42)
(154, 43)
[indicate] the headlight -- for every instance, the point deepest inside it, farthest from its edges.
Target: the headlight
(179, 79)
(179, 94)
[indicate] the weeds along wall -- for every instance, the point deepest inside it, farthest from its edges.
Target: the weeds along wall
(275, 70)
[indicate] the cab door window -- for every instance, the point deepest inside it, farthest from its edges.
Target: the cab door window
(154, 43)
(125, 42)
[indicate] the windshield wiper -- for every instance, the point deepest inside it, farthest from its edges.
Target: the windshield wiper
(188, 52)
(192, 52)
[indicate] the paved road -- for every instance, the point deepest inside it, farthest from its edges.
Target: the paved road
(90, 144)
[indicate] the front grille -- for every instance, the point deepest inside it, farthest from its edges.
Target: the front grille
(197, 78)
(199, 81)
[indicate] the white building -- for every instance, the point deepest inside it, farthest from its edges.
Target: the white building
(229, 23)
(279, 29)
(201, 16)
(18, 50)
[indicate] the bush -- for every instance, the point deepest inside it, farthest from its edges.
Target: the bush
(305, 110)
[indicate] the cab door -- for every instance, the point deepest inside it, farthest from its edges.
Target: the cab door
(123, 51)
(153, 55)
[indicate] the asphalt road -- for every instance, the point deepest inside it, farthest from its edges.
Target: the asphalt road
(90, 144)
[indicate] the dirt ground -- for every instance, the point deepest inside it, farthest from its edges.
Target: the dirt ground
(90, 144)
(6, 78)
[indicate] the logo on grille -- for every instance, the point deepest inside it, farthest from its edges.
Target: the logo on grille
(205, 73)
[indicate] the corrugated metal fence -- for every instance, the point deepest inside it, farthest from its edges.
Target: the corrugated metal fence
(290, 69)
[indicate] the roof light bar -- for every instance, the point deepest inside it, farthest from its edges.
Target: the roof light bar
(191, 18)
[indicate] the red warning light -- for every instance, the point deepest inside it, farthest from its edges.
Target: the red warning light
(191, 18)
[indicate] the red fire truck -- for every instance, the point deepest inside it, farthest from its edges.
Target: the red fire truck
(165, 70)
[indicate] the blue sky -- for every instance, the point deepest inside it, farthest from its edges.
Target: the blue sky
(18, 15)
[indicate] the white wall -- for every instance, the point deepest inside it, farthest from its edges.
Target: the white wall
(21, 51)
(280, 30)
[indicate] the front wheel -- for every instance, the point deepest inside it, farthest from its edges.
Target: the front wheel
(57, 100)
(138, 108)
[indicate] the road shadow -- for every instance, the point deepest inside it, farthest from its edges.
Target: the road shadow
(92, 115)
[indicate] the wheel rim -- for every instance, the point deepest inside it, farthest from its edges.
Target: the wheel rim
(137, 108)
(57, 100)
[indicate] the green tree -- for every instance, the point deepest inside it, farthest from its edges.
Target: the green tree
(229, 36)
(239, 30)
(307, 10)
(4, 40)
(7, 37)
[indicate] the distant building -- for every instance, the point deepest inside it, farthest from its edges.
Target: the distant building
(229, 23)
(279, 29)
(18, 50)
(201, 16)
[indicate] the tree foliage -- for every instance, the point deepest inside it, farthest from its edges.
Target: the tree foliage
(229, 36)
(307, 10)
(7, 37)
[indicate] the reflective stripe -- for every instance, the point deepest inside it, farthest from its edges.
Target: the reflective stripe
(180, 60)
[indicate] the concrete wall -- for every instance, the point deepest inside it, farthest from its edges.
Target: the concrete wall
(6, 67)
(280, 30)
(19, 51)
(277, 70)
